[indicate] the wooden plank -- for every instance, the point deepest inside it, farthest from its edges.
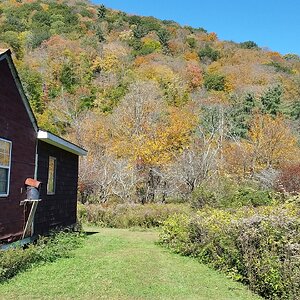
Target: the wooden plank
(29, 200)
(29, 223)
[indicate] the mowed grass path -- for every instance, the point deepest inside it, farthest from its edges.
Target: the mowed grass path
(123, 264)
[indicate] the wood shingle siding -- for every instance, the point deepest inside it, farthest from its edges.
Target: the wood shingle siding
(58, 209)
(15, 126)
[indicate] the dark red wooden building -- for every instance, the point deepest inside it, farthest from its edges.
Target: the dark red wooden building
(28, 152)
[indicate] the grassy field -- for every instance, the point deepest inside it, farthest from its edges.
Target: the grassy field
(123, 264)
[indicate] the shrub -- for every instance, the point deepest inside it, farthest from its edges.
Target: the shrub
(249, 45)
(128, 215)
(202, 196)
(208, 52)
(148, 46)
(248, 196)
(228, 194)
(213, 81)
(14, 260)
(279, 67)
(289, 179)
(47, 249)
(191, 41)
(175, 234)
(257, 246)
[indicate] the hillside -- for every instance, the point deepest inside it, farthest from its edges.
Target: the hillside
(161, 108)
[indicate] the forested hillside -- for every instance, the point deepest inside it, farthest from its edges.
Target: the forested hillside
(161, 108)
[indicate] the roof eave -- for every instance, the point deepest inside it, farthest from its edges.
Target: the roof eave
(56, 141)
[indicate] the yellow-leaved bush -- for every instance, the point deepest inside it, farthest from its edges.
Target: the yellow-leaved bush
(257, 246)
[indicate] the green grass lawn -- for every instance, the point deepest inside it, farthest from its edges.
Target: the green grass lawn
(123, 264)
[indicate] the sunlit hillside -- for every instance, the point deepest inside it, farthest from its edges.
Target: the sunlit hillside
(160, 107)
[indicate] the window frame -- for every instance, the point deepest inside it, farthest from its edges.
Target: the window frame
(54, 175)
(7, 168)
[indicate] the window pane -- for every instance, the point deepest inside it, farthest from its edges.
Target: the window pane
(51, 176)
(3, 181)
(4, 153)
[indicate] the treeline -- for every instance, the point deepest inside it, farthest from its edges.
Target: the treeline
(163, 109)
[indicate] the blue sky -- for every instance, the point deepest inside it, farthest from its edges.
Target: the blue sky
(274, 24)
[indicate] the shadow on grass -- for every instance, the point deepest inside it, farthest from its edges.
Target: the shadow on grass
(91, 232)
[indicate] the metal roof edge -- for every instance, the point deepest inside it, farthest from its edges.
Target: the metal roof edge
(59, 142)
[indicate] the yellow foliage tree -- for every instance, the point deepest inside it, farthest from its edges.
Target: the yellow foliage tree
(171, 136)
(145, 129)
(270, 144)
(191, 56)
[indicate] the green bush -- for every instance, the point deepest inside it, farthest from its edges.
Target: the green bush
(147, 47)
(208, 52)
(191, 41)
(280, 67)
(47, 249)
(13, 40)
(248, 196)
(128, 215)
(203, 196)
(175, 234)
(214, 82)
(228, 194)
(257, 246)
(249, 45)
(14, 260)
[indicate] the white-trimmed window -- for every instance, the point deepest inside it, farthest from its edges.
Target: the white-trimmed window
(5, 163)
(51, 176)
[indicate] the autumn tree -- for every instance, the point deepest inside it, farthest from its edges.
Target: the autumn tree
(270, 144)
(194, 75)
(148, 132)
(196, 163)
(160, 107)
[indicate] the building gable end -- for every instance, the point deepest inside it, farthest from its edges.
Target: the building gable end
(7, 55)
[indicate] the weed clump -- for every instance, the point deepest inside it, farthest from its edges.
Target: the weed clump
(46, 249)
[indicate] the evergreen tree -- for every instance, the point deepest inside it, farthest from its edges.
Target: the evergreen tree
(295, 110)
(139, 31)
(241, 115)
(164, 37)
(208, 52)
(99, 34)
(102, 11)
(271, 101)
(249, 45)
